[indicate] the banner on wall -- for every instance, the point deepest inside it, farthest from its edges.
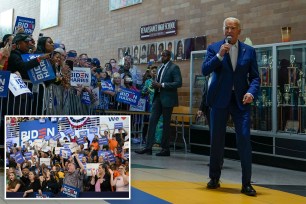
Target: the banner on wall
(32, 130)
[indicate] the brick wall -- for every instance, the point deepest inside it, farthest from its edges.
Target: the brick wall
(88, 26)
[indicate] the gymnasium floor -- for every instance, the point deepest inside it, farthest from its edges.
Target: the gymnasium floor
(182, 178)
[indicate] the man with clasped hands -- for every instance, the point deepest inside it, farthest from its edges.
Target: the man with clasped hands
(169, 79)
(234, 86)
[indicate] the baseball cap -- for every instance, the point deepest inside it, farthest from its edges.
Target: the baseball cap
(95, 61)
(21, 37)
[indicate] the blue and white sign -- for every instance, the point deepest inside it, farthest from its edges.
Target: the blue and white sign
(43, 195)
(17, 86)
(141, 106)
(128, 96)
(70, 191)
(80, 141)
(28, 155)
(80, 76)
(85, 98)
(69, 131)
(57, 136)
(41, 73)
(93, 130)
(118, 125)
(4, 83)
(19, 158)
(103, 141)
(28, 24)
(83, 133)
(32, 130)
(107, 86)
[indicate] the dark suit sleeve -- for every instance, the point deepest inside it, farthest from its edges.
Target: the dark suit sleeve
(15, 63)
(176, 78)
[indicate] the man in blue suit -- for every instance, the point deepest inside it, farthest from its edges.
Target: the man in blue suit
(234, 86)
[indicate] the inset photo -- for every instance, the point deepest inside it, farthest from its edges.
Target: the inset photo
(67, 157)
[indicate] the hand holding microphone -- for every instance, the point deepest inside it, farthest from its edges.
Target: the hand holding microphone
(226, 46)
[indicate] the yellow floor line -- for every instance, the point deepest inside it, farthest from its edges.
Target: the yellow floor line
(196, 192)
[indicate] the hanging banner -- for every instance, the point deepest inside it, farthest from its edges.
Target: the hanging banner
(28, 24)
(4, 83)
(17, 86)
(33, 130)
(43, 72)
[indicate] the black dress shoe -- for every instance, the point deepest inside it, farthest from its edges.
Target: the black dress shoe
(163, 153)
(213, 184)
(248, 190)
(144, 151)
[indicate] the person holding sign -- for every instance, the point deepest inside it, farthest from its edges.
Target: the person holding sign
(169, 79)
(34, 185)
(15, 62)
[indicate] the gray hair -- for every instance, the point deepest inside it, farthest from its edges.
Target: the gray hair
(236, 20)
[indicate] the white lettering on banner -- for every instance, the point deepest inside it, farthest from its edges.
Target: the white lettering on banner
(34, 134)
(126, 98)
(2, 82)
(24, 25)
(170, 25)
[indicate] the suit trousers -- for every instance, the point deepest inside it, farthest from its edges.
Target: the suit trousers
(218, 122)
(156, 112)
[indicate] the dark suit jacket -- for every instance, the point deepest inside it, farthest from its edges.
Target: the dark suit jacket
(245, 78)
(172, 80)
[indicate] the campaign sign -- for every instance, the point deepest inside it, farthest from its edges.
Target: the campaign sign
(103, 141)
(43, 195)
(109, 156)
(19, 158)
(70, 191)
(4, 83)
(83, 133)
(57, 136)
(45, 161)
(9, 143)
(81, 156)
(80, 76)
(12, 156)
(69, 131)
(41, 73)
(107, 86)
(93, 130)
(85, 98)
(118, 125)
(80, 141)
(128, 96)
(126, 155)
(91, 166)
(28, 24)
(32, 130)
(28, 155)
(65, 153)
(141, 106)
(17, 86)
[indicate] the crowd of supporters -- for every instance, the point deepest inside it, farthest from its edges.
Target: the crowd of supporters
(32, 176)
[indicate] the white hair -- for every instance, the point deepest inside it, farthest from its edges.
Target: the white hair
(236, 20)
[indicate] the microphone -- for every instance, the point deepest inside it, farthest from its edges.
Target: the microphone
(228, 39)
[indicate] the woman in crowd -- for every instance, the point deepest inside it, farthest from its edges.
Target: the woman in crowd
(121, 182)
(100, 182)
(45, 45)
(49, 184)
(34, 185)
(14, 184)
